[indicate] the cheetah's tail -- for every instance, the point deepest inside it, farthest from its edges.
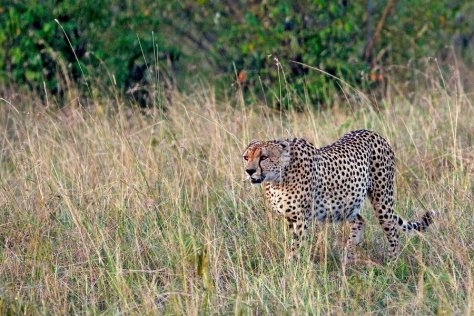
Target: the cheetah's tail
(420, 225)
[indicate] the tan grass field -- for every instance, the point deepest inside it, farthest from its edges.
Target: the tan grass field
(105, 209)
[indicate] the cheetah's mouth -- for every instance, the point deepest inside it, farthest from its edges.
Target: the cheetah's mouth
(257, 181)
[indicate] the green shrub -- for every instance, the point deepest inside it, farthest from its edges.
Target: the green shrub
(129, 42)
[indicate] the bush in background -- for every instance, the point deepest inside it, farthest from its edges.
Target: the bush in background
(136, 45)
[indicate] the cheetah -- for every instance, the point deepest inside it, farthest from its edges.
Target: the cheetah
(329, 184)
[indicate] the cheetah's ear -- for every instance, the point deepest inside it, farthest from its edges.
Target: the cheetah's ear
(284, 152)
(284, 144)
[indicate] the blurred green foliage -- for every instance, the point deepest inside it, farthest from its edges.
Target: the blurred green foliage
(251, 43)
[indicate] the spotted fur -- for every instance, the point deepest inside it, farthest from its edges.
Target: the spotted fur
(330, 184)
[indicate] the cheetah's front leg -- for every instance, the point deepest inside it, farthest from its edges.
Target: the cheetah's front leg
(356, 236)
(298, 228)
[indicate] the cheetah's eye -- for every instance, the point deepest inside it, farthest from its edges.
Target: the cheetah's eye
(263, 157)
(246, 157)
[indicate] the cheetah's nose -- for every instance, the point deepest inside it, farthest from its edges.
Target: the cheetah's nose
(250, 171)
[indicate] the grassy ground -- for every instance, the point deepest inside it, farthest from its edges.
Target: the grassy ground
(116, 211)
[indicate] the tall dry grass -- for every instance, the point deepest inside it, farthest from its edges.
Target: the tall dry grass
(109, 210)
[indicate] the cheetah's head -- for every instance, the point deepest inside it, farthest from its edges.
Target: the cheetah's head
(266, 160)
